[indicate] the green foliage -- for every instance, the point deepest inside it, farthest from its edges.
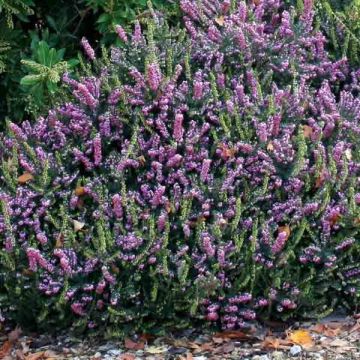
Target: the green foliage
(4, 48)
(114, 12)
(18, 8)
(44, 73)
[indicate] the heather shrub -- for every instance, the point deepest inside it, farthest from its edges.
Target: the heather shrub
(209, 177)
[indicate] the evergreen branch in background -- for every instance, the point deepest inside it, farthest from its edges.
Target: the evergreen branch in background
(4, 47)
(341, 22)
(12, 8)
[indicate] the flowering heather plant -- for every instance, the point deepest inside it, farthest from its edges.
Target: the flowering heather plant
(214, 178)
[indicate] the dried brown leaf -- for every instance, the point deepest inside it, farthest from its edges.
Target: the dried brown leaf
(320, 179)
(238, 335)
(78, 225)
(339, 343)
(5, 349)
(19, 355)
(217, 340)
(60, 241)
(24, 178)
(270, 343)
(270, 146)
(14, 335)
(207, 347)
(126, 357)
(301, 337)
(35, 356)
(220, 20)
(225, 349)
(325, 330)
(355, 328)
(132, 345)
(307, 131)
(50, 354)
(80, 191)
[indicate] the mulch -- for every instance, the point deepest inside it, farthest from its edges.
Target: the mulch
(335, 337)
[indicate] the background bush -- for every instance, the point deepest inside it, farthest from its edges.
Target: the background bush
(211, 177)
(58, 25)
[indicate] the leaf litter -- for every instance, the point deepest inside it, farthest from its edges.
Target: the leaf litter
(325, 340)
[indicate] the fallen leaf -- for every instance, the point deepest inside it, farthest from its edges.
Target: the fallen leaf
(207, 347)
(334, 219)
(355, 328)
(8, 357)
(35, 356)
(156, 349)
(307, 131)
(227, 152)
(5, 349)
(339, 343)
(146, 337)
(320, 179)
(233, 335)
(225, 349)
(220, 20)
(168, 207)
(27, 272)
(325, 330)
(270, 343)
(217, 340)
(348, 154)
(19, 355)
(142, 160)
(126, 357)
(115, 269)
(78, 225)
(60, 241)
(80, 191)
(25, 347)
(301, 337)
(192, 345)
(189, 356)
(270, 146)
(50, 354)
(14, 335)
(24, 178)
(132, 345)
